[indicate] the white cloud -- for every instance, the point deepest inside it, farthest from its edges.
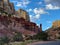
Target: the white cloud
(37, 16)
(47, 27)
(52, 7)
(38, 12)
(52, 1)
(19, 4)
(48, 21)
(23, 3)
(39, 2)
(32, 18)
(52, 4)
(38, 24)
(29, 10)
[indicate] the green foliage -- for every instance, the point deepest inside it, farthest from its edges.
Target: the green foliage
(18, 37)
(4, 40)
(41, 36)
(2, 11)
(9, 15)
(1, 42)
(58, 37)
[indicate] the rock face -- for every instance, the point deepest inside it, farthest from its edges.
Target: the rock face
(56, 23)
(9, 8)
(54, 31)
(12, 21)
(10, 25)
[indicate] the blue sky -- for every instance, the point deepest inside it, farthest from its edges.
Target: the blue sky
(40, 11)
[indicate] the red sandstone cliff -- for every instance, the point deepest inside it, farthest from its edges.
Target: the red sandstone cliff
(10, 25)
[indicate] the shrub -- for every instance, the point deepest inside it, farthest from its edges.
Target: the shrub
(4, 40)
(18, 37)
(58, 37)
(41, 36)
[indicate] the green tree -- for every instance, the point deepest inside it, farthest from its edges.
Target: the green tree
(18, 37)
(41, 36)
(5, 40)
(58, 37)
(1, 42)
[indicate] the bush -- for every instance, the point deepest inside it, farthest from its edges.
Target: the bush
(1, 42)
(4, 40)
(41, 36)
(18, 37)
(58, 37)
